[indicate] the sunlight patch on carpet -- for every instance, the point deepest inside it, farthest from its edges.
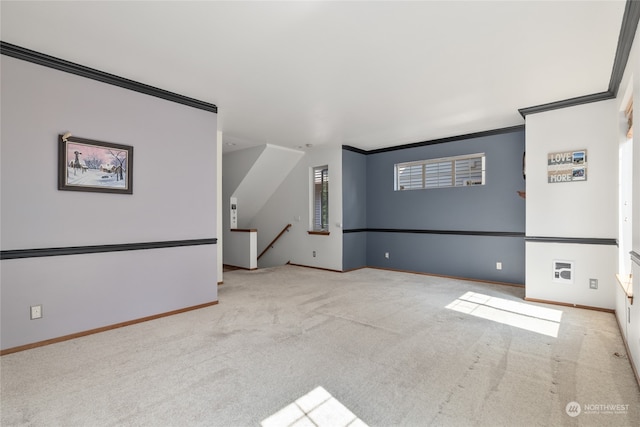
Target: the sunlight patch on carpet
(316, 408)
(533, 318)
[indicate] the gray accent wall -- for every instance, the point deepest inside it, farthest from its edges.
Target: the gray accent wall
(495, 207)
(174, 198)
(471, 257)
(354, 205)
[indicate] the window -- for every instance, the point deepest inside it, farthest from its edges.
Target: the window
(444, 172)
(321, 198)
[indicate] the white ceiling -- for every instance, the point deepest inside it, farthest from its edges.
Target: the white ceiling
(366, 74)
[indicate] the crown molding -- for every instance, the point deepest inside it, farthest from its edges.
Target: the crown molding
(34, 57)
(628, 29)
(354, 149)
(438, 141)
(572, 102)
(625, 41)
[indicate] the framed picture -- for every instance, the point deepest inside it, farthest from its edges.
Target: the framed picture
(87, 165)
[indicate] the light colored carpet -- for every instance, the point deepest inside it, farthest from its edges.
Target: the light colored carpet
(383, 344)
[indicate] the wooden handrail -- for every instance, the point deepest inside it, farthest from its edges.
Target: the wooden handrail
(270, 245)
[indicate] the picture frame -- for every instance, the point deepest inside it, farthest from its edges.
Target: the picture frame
(95, 166)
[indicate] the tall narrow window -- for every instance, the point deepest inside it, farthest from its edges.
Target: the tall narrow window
(321, 198)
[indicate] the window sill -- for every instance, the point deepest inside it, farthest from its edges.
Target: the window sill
(626, 283)
(319, 233)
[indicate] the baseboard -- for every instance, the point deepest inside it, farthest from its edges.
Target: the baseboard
(626, 347)
(316, 268)
(102, 329)
(517, 285)
(237, 267)
(354, 269)
(566, 304)
(468, 279)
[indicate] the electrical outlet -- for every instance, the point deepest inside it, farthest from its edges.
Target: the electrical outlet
(36, 312)
(498, 265)
(593, 283)
(386, 255)
(314, 254)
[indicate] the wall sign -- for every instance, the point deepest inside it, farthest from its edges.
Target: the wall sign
(567, 166)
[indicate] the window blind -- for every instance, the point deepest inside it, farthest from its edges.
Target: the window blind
(321, 198)
(442, 172)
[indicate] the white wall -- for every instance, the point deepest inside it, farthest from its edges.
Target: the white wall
(590, 261)
(235, 166)
(242, 249)
(585, 209)
(291, 203)
(219, 205)
(251, 177)
(633, 327)
(264, 177)
(629, 314)
(169, 202)
(573, 209)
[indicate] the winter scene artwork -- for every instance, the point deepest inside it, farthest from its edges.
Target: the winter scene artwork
(87, 165)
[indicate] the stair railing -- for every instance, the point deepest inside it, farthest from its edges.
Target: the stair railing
(270, 245)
